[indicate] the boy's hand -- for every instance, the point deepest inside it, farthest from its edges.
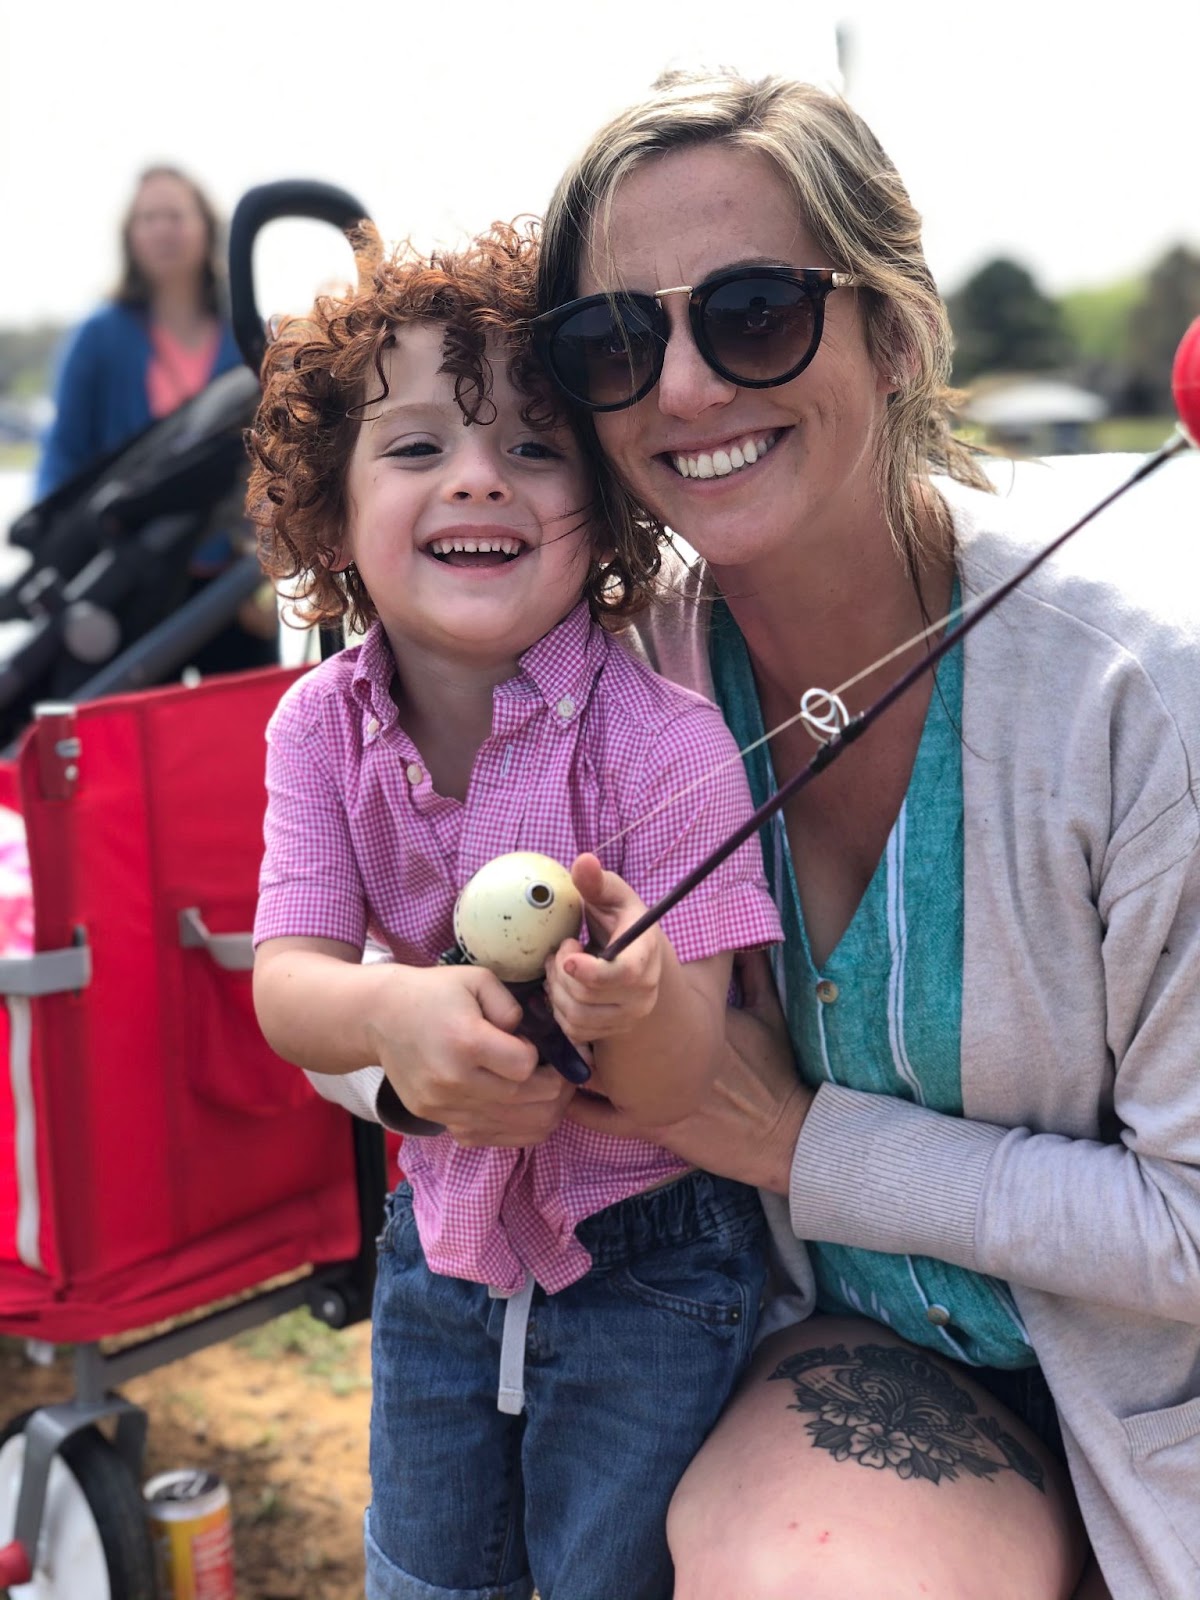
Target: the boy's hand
(595, 999)
(449, 1052)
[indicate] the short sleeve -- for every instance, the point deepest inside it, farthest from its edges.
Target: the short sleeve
(309, 884)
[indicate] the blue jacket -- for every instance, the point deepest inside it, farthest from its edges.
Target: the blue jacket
(100, 392)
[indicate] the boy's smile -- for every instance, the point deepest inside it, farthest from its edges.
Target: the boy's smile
(475, 546)
(472, 539)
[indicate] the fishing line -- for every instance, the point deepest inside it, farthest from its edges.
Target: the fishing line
(821, 725)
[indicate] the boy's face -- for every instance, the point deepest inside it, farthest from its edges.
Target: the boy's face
(472, 541)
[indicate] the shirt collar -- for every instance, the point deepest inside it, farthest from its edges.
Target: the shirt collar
(560, 667)
(563, 664)
(371, 683)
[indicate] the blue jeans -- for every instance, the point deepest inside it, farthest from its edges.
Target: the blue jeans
(625, 1373)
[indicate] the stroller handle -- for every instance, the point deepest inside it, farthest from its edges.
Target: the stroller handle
(288, 197)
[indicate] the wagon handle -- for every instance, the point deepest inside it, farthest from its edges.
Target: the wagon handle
(234, 952)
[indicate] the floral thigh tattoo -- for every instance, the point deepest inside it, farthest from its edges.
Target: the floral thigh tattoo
(894, 1410)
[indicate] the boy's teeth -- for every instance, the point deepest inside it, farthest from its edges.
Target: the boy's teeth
(445, 547)
(722, 462)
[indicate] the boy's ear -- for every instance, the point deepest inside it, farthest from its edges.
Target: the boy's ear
(338, 560)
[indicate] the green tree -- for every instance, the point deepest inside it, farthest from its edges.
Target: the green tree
(1004, 323)
(1097, 319)
(1169, 301)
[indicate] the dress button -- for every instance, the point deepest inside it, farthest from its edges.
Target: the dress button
(827, 991)
(938, 1315)
(413, 773)
(373, 725)
(565, 707)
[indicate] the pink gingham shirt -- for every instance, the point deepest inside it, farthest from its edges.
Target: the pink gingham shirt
(584, 741)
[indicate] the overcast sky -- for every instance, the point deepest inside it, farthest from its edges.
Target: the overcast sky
(1042, 130)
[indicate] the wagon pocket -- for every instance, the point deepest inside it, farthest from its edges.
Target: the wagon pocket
(228, 1061)
(1166, 1451)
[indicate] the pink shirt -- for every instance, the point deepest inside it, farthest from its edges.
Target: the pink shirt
(177, 371)
(584, 741)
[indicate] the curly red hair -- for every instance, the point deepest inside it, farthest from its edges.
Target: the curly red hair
(322, 369)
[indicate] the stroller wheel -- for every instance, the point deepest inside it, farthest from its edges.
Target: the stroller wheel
(94, 1540)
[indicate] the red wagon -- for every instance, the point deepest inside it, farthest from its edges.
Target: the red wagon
(155, 1156)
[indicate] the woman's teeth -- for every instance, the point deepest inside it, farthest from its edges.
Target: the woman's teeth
(483, 547)
(722, 462)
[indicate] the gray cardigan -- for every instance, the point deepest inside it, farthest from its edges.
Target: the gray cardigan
(1074, 1172)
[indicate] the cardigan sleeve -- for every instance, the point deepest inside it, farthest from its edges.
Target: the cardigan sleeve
(1112, 1220)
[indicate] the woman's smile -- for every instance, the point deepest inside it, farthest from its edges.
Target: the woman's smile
(733, 455)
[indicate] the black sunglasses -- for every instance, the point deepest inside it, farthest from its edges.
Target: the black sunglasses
(757, 327)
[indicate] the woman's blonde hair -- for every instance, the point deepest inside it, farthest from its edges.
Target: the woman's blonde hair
(856, 209)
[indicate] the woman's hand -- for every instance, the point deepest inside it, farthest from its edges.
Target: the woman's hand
(748, 1124)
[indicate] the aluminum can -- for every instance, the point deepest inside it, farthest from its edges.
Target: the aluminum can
(192, 1528)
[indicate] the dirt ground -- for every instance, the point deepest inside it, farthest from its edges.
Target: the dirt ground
(281, 1415)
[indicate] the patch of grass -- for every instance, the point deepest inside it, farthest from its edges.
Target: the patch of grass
(271, 1507)
(324, 1352)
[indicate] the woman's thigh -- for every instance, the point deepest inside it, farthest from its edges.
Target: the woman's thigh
(851, 1464)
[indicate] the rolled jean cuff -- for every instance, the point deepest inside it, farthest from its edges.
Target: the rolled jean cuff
(387, 1581)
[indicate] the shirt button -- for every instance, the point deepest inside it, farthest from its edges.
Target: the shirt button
(565, 707)
(827, 991)
(373, 725)
(938, 1315)
(413, 773)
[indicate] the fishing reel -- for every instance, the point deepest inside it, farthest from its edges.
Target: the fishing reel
(510, 918)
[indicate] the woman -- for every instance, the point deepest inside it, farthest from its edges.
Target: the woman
(161, 338)
(992, 979)
(981, 1109)
(156, 343)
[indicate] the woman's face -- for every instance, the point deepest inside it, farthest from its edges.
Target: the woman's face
(168, 236)
(679, 219)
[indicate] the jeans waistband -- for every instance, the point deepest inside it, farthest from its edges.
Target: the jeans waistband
(696, 1206)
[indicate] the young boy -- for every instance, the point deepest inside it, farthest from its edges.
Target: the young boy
(559, 1315)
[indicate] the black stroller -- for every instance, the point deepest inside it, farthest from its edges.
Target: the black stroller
(107, 601)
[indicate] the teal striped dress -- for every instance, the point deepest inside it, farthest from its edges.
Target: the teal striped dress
(884, 1013)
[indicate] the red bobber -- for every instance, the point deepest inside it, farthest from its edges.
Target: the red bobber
(1185, 382)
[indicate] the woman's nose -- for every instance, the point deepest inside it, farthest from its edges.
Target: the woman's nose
(688, 386)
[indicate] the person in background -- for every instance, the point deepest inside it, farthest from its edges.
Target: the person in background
(158, 340)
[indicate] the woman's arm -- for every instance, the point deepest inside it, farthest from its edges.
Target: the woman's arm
(1113, 1222)
(747, 1125)
(71, 441)
(1117, 1223)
